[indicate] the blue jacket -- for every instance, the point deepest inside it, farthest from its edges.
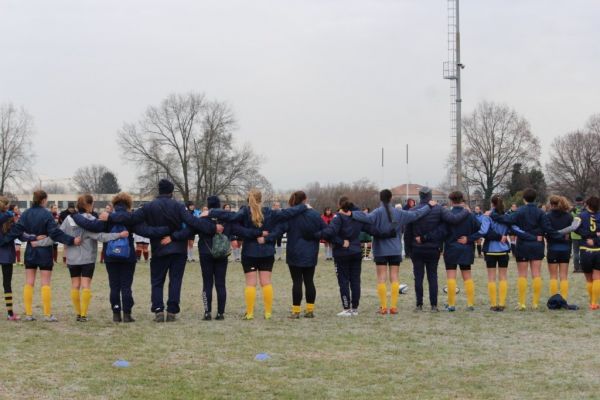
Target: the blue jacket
(165, 211)
(38, 221)
(343, 227)
(273, 223)
(121, 214)
(302, 248)
(559, 220)
(456, 253)
(8, 254)
(492, 232)
(383, 247)
(431, 228)
(531, 220)
(230, 229)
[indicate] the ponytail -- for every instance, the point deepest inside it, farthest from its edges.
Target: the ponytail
(386, 196)
(297, 198)
(254, 202)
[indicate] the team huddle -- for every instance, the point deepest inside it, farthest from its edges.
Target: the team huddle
(427, 230)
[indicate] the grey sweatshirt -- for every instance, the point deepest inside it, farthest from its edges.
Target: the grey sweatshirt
(87, 252)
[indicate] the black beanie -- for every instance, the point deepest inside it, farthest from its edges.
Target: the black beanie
(213, 202)
(165, 187)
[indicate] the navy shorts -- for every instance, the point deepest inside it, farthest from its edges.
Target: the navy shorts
(558, 257)
(41, 267)
(388, 260)
(589, 261)
(453, 267)
(529, 252)
(499, 260)
(251, 264)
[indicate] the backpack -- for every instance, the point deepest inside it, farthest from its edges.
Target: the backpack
(118, 248)
(221, 247)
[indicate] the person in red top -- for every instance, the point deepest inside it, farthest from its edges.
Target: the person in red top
(327, 217)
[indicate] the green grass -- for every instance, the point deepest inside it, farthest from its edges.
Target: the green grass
(478, 355)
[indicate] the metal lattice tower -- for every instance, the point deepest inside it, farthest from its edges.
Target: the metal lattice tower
(452, 69)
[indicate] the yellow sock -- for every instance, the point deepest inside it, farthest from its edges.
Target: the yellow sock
(564, 289)
(47, 300)
(470, 289)
(588, 286)
(86, 297)
(502, 292)
(28, 299)
(522, 287)
(451, 292)
(250, 296)
(553, 286)
(76, 301)
(268, 299)
(492, 294)
(537, 291)
(382, 293)
(310, 307)
(296, 309)
(395, 288)
(595, 291)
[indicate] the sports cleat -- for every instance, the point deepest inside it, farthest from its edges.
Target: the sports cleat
(29, 318)
(470, 308)
(294, 315)
(494, 308)
(219, 317)
(393, 311)
(354, 312)
(117, 316)
(127, 317)
(345, 313)
(170, 317)
(418, 308)
(13, 317)
(268, 316)
(207, 316)
(434, 309)
(78, 318)
(500, 308)
(82, 319)
(248, 317)
(521, 307)
(159, 316)
(50, 318)
(594, 307)
(382, 311)
(450, 308)
(309, 314)
(534, 307)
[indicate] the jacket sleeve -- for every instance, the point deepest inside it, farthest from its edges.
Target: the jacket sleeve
(101, 236)
(521, 234)
(506, 219)
(181, 234)
(45, 242)
(276, 232)
(437, 235)
(127, 218)
(331, 232)
(56, 234)
(5, 216)
(227, 216)
(454, 218)
(290, 212)
(200, 225)
(245, 233)
(571, 228)
(16, 231)
(483, 230)
(411, 216)
(364, 217)
(92, 225)
(151, 232)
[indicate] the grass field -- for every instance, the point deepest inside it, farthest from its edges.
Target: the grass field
(476, 355)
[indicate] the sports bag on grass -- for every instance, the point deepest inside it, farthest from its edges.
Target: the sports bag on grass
(221, 247)
(118, 248)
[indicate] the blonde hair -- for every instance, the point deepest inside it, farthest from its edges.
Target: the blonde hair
(255, 204)
(559, 203)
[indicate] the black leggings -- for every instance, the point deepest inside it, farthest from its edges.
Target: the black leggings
(300, 275)
(7, 272)
(214, 272)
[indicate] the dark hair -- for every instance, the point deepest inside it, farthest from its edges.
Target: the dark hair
(456, 197)
(39, 196)
(593, 203)
(83, 201)
(529, 195)
(498, 204)
(326, 209)
(386, 196)
(297, 198)
(345, 203)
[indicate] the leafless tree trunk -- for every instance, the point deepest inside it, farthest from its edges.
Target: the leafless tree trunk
(16, 153)
(496, 138)
(189, 140)
(574, 167)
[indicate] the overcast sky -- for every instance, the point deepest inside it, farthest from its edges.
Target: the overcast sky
(318, 87)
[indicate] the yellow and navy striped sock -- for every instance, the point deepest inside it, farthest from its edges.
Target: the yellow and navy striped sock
(8, 299)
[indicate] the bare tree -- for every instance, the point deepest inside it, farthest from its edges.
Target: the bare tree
(574, 167)
(496, 138)
(189, 140)
(89, 179)
(363, 193)
(16, 130)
